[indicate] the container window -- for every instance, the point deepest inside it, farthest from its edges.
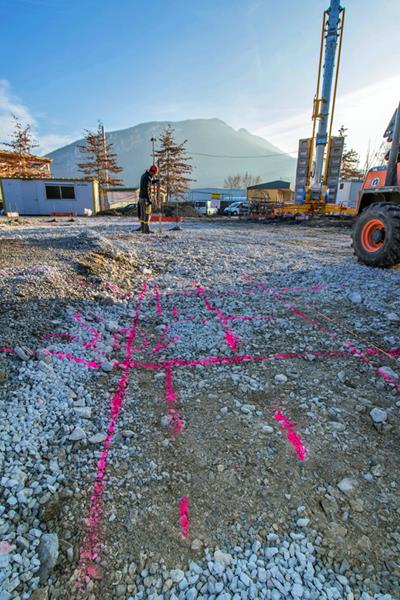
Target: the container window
(53, 192)
(60, 192)
(68, 192)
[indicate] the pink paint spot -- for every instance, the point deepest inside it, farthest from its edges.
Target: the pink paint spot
(231, 339)
(175, 313)
(184, 516)
(5, 548)
(381, 372)
(292, 436)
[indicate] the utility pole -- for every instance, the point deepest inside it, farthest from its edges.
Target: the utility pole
(104, 143)
(153, 141)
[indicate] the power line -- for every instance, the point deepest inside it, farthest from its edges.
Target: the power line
(236, 156)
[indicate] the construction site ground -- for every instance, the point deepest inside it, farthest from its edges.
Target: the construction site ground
(229, 386)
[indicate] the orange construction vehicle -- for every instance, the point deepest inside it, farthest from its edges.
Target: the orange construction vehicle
(376, 232)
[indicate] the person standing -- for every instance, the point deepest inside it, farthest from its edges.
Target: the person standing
(148, 178)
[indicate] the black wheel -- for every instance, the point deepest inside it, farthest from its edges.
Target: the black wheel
(376, 235)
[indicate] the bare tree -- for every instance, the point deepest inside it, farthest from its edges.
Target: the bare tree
(241, 181)
(101, 163)
(174, 164)
(19, 160)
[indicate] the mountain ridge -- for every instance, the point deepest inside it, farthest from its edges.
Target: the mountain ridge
(217, 150)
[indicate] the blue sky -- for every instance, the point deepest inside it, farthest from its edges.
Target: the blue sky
(67, 63)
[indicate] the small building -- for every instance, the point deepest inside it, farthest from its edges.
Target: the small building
(348, 192)
(121, 196)
(49, 196)
(271, 191)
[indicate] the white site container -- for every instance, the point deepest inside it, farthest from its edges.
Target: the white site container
(347, 193)
(49, 196)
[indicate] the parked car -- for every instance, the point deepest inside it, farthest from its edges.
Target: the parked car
(129, 209)
(238, 208)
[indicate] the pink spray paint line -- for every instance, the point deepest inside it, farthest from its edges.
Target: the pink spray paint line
(299, 313)
(90, 364)
(92, 545)
(230, 337)
(230, 360)
(294, 439)
(117, 291)
(176, 423)
(96, 335)
(165, 342)
(380, 371)
(360, 354)
(175, 313)
(157, 300)
(184, 516)
(7, 350)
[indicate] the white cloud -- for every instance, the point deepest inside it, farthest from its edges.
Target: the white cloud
(365, 112)
(51, 142)
(11, 105)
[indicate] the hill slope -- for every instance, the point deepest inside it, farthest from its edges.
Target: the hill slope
(205, 136)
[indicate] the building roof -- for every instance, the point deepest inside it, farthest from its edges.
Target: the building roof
(6, 155)
(278, 184)
(14, 164)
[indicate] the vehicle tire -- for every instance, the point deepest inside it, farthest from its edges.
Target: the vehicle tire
(376, 235)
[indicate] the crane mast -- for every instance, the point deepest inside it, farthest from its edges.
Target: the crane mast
(320, 156)
(324, 104)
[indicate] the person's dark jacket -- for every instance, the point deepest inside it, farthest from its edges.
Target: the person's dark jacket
(145, 182)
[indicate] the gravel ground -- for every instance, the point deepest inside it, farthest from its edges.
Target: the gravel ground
(208, 413)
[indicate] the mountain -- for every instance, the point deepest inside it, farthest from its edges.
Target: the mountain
(205, 136)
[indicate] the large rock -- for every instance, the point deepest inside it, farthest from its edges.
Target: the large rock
(378, 415)
(347, 485)
(48, 555)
